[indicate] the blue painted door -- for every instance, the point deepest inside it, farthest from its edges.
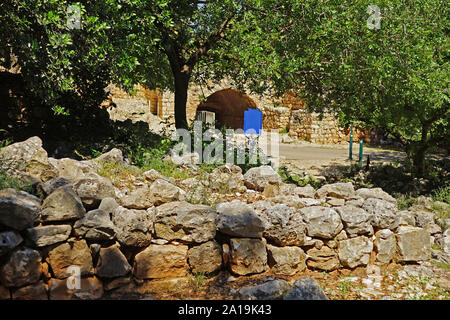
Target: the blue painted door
(252, 121)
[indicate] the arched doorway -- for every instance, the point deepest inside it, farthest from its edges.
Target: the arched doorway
(229, 106)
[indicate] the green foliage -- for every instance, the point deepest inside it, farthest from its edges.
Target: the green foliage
(6, 181)
(288, 177)
(442, 194)
(405, 201)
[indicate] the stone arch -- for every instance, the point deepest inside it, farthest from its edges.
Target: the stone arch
(229, 106)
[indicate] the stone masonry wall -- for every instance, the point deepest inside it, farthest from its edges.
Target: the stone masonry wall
(122, 242)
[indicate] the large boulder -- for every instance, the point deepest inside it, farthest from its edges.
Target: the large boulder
(36, 291)
(286, 261)
(71, 169)
(356, 220)
(385, 245)
(112, 156)
(413, 244)
(53, 184)
(47, 235)
(183, 221)
(69, 254)
(63, 204)
(96, 225)
(305, 289)
(138, 199)
(238, 219)
(247, 256)
(162, 191)
(284, 225)
(22, 267)
(227, 178)
(340, 190)
(92, 189)
(322, 259)
(269, 290)
(89, 289)
(305, 191)
(376, 193)
(112, 263)
(133, 227)
(355, 252)
(258, 178)
(205, 258)
(322, 222)
(8, 241)
(384, 213)
(27, 158)
(18, 209)
(161, 261)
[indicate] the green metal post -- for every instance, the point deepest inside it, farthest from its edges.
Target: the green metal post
(361, 146)
(350, 150)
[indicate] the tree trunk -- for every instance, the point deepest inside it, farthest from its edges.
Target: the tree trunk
(181, 94)
(416, 154)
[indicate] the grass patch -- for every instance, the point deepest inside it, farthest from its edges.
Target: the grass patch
(198, 280)
(442, 194)
(118, 173)
(288, 177)
(6, 181)
(405, 201)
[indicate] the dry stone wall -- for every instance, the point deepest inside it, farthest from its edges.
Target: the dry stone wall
(120, 247)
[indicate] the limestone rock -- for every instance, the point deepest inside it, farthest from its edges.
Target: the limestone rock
(184, 221)
(356, 220)
(384, 213)
(138, 199)
(4, 293)
(228, 178)
(376, 193)
(18, 209)
(68, 254)
(239, 219)
(37, 291)
(62, 205)
(27, 158)
(413, 244)
(286, 261)
(108, 205)
(114, 155)
(93, 188)
(258, 178)
(117, 283)
(270, 290)
(162, 191)
(96, 225)
(8, 241)
(284, 226)
(305, 192)
(322, 222)
(305, 289)
(385, 245)
(89, 289)
(355, 251)
(247, 256)
(22, 267)
(406, 218)
(112, 263)
(340, 190)
(153, 175)
(205, 258)
(161, 261)
(54, 184)
(323, 259)
(71, 169)
(423, 218)
(133, 227)
(47, 235)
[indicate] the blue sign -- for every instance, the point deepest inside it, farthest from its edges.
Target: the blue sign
(252, 121)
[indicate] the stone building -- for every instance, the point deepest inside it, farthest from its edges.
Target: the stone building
(287, 113)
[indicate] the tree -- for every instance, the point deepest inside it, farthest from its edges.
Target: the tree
(176, 42)
(64, 67)
(393, 75)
